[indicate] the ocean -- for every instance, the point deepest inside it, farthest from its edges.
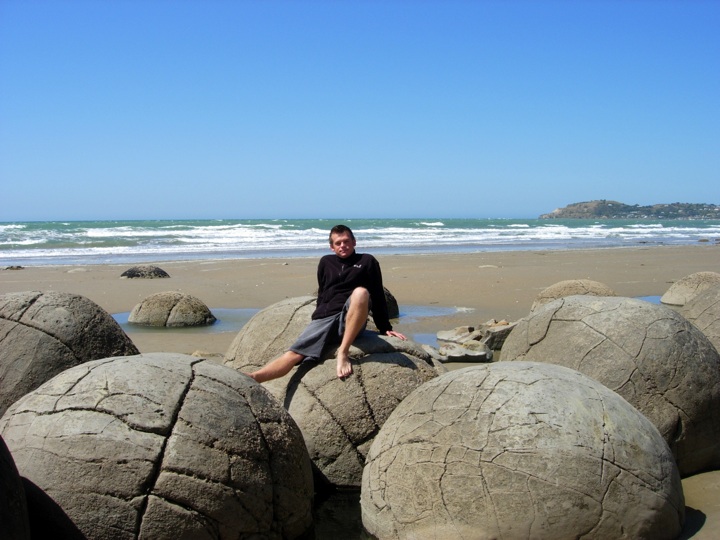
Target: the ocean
(119, 242)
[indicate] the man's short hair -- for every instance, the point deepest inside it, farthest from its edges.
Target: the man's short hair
(340, 229)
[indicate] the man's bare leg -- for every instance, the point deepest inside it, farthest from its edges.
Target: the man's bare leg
(278, 367)
(355, 320)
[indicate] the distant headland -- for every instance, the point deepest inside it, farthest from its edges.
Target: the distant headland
(603, 209)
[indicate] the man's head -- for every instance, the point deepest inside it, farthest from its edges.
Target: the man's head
(342, 241)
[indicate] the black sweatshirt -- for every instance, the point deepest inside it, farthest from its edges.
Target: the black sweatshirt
(337, 278)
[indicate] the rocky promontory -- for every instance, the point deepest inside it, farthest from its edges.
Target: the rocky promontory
(604, 209)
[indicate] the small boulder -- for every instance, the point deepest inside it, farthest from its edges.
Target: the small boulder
(519, 450)
(172, 309)
(144, 272)
(491, 333)
(44, 333)
(685, 289)
(571, 287)
(647, 353)
(163, 445)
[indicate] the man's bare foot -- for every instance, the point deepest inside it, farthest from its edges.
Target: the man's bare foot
(344, 367)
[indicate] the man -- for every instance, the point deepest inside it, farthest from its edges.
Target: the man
(349, 285)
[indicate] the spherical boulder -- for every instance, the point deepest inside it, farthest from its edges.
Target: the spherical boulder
(571, 287)
(647, 353)
(704, 312)
(171, 309)
(146, 271)
(685, 289)
(44, 333)
(163, 446)
(269, 333)
(519, 450)
(338, 418)
(13, 509)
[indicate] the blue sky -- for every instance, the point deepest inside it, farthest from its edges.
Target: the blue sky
(222, 109)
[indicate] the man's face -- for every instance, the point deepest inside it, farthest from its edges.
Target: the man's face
(342, 245)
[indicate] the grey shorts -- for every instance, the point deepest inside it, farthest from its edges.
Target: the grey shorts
(319, 334)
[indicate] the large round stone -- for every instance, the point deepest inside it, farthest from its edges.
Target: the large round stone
(171, 309)
(647, 353)
(687, 288)
(13, 510)
(163, 446)
(269, 333)
(44, 333)
(519, 450)
(704, 312)
(571, 287)
(338, 418)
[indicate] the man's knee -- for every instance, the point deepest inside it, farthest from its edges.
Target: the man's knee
(360, 295)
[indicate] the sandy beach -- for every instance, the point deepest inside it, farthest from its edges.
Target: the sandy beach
(476, 286)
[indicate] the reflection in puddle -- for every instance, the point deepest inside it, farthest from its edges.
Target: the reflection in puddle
(232, 320)
(228, 320)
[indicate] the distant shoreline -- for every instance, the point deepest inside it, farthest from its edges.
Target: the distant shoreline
(134, 242)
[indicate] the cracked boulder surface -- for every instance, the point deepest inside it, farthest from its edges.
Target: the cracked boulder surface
(704, 312)
(571, 287)
(171, 309)
(338, 418)
(649, 354)
(519, 450)
(687, 288)
(163, 445)
(44, 333)
(269, 333)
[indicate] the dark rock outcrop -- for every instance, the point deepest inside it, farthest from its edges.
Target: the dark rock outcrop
(145, 272)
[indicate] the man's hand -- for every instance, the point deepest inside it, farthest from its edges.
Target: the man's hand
(398, 335)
